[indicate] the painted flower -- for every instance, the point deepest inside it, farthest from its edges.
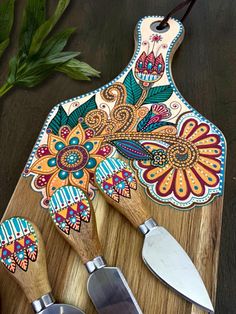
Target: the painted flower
(188, 168)
(152, 120)
(155, 38)
(149, 68)
(68, 159)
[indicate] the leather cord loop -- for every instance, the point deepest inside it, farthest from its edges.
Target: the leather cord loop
(180, 6)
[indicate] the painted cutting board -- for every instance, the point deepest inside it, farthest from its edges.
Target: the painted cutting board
(178, 156)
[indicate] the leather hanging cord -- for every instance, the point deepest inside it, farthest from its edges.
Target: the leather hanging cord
(180, 6)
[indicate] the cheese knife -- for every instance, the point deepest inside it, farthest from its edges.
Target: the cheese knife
(22, 252)
(162, 254)
(73, 214)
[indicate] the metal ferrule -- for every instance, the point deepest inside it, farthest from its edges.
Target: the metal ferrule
(147, 226)
(95, 264)
(43, 302)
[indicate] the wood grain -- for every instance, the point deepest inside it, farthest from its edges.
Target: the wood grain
(132, 207)
(122, 247)
(85, 242)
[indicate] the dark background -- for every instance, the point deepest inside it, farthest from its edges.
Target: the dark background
(204, 70)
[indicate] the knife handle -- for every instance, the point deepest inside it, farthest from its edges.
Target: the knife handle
(22, 252)
(73, 214)
(119, 186)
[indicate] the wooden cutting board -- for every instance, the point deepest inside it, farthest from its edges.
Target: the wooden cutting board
(142, 104)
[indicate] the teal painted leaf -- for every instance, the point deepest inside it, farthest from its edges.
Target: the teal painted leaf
(59, 120)
(141, 125)
(133, 89)
(81, 112)
(153, 126)
(158, 94)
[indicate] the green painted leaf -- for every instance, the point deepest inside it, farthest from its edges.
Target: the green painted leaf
(59, 120)
(133, 89)
(6, 22)
(43, 30)
(81, 112)
(78, 70)
(33, 16)
(158, 94)
(56, 43)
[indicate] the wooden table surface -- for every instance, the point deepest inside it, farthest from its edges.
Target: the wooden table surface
(204, 70)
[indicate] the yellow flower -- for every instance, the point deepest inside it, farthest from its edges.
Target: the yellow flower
(68, 159)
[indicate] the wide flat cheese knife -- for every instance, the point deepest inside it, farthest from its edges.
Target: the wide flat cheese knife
(22, 252)
(162, 254)
(74, 217)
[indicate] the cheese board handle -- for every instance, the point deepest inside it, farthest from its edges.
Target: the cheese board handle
(22, 246)
(73, 215)
(118, 184)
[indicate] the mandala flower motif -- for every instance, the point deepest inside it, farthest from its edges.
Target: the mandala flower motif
(189, 168)
(69, 158)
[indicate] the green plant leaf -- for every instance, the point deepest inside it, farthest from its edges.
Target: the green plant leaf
(56, 43)
(133, 89)
(34, 15)
(3, 46)
(32, 73)
(59, 120)
(81, 112)
(78, 70)
(6, 22)
(158, 94)
(12, 70)
(43, 31)
(37, 56)
(6, 18)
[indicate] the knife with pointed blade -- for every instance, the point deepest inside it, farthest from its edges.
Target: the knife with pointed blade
(22, 252)
(162, 254)
(73, 214)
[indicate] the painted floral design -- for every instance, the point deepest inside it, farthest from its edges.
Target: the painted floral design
(178, 157)
(185, 169)
(149, 68)
(150, 65)
(69, 158)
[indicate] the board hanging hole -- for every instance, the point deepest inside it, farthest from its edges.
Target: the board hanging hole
(155, 27)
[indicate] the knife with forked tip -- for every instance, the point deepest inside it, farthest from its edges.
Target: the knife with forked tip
(162, 254)
(73, 214)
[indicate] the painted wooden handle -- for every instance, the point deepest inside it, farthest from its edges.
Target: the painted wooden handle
(74, 217)
(22, 252)
(118, 184)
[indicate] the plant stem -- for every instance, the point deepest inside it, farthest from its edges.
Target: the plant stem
(5, 88)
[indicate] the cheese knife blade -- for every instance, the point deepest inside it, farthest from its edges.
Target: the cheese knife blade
(73, 214)
(163, 255)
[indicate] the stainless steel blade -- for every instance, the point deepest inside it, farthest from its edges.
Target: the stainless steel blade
(110, 292)
(169, 262)
(61, 309)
